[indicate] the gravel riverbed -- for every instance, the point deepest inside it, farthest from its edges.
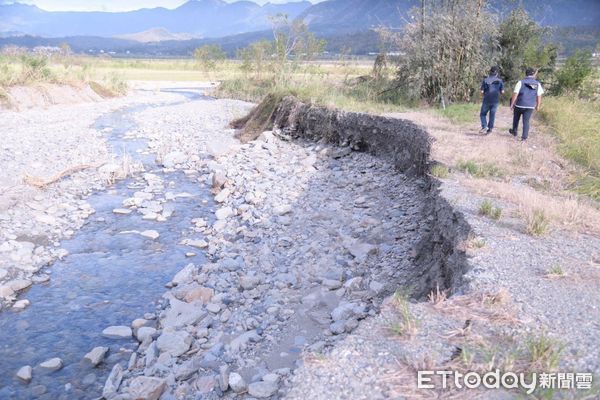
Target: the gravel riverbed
(283, 289)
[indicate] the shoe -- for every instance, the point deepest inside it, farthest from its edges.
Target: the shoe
(523, 140)
(482, 130)
(514, 133)
(488, 131)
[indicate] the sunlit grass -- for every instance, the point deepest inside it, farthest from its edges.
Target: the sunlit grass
(576, 123)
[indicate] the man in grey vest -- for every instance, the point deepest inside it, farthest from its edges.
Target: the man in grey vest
(526, 98)
(491, 89)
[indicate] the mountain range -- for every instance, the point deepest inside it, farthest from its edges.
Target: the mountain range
(162, 32)
(199, 18)
(217, 18)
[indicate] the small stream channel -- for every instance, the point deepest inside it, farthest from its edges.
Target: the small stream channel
(108, 278)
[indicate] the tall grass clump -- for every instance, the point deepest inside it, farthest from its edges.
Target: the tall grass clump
(576, 123)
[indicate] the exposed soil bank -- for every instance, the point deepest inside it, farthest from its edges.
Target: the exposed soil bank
(21, 98)
(440, 255)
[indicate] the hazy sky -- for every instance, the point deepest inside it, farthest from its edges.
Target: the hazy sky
(115, 5)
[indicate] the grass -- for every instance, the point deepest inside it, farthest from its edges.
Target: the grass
(461, 113)
(407, 325)
(555, 271)
(537, 222)
(440, 171)
(576, 123)
(487, 208)
(544, 352)
(480, 170)
(477, 243)
(29, 69)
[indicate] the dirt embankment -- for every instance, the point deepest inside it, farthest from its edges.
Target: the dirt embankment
(20, 98)
(440, 260)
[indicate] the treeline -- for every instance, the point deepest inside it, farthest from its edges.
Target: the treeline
(450, 44)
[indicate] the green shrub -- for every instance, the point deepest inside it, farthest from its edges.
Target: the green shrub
(488, 209)
(537, 222)
(571, 76)
(480, 170)
(440, 171)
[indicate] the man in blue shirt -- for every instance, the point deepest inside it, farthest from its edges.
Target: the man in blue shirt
(526, 97)
(491, 89)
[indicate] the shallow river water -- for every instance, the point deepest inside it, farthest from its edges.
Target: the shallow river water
(108, 278)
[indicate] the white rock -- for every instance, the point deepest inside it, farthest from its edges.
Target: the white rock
(199, 222)
(262, 390)
(19, 284)
(222, 196)
(117, 332)
(96, 356)
(6, 292)
(174, 158)
(122, 211)
(144, 332)
(237, 383)
(113, 382)
(197, 243)
(21, 304)
(25, 374)
(146, 388)
(186, 275)
(3, 273)
(219, 179)
(282, 210)
(150, 234)
(174, 343)
(224, 213)
(53, 364)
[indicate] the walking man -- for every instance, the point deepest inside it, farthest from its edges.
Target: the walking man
(491, 89)
(526, 98)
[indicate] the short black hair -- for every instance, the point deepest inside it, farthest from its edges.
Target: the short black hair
(493, 70)
(530, 71)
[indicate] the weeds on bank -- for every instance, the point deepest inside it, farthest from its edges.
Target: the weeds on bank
(407, 325)
(440, 171)
(480, 170)
(476, 243)
(31, 69)
(575, 122)
(537, 222)
(487, 208)
(543, 352)
(555, 272)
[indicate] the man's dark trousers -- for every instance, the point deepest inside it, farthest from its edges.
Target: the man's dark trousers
(526, 113)
(485, 109)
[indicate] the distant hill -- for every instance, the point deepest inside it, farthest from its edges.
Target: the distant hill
(335, 16)
(343, 23)
(200, 18)
(155, 35)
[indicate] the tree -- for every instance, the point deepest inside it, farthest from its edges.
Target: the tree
(571, 76)
(293, 43)
(445, 50)
(519, 39)
(209, 56)
(256, 57)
